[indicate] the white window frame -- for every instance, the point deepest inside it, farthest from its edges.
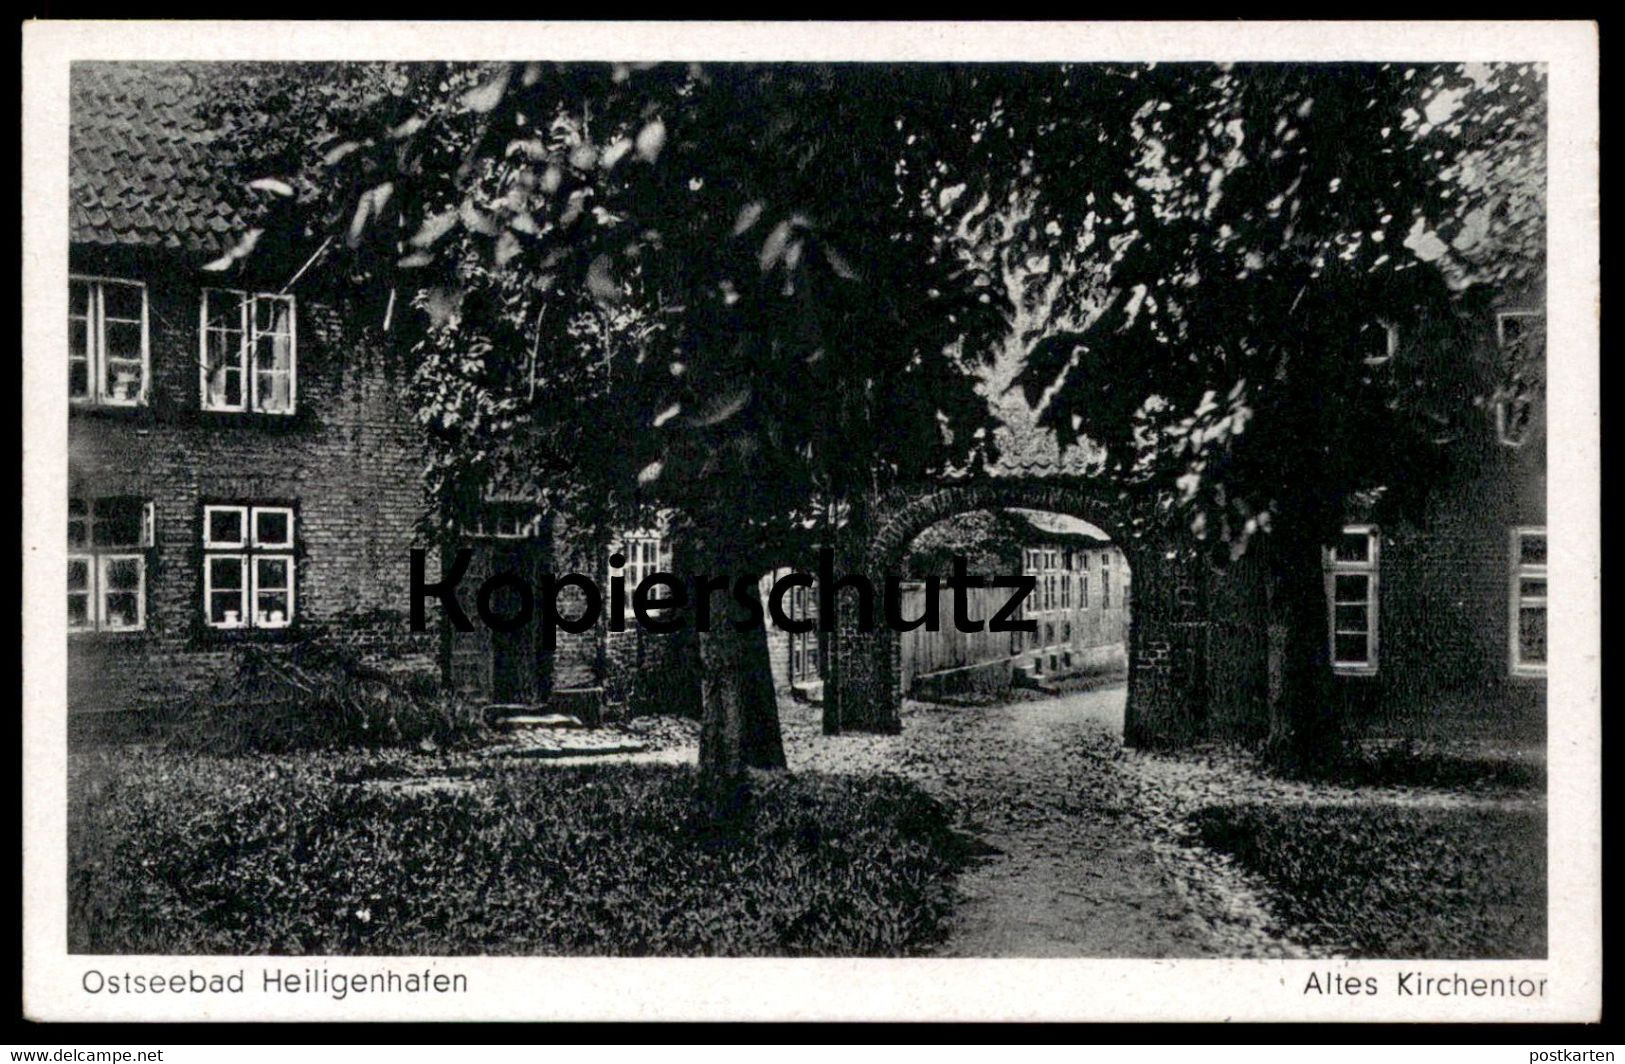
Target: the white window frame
(208, 590)
(636, 571)
(248, 551)
(1516, 600)
(1391, 343)
(102, 591)
(1371, 569)
(803, 645)
(487, 520)
(227, 544)
(95, 342)
(248, 329)
(254, 514)
(96, 558)
(88, 591)
(1502, 432)
(254, 561)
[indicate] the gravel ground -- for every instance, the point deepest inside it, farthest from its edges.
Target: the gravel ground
(1078, 871)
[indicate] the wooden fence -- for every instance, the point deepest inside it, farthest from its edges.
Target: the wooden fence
(925, 652)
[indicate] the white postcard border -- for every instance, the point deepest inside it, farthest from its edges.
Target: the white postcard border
(592, 989)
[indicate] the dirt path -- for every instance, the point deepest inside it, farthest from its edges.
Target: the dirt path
(1041, 781)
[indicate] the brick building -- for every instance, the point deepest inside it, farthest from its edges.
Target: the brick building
(239, 467)
(1080, 603)
(614, 664)
(1440, 624)
(242, 467)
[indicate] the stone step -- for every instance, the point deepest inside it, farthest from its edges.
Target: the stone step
(551, 752)
(511, 717)
(809, 691)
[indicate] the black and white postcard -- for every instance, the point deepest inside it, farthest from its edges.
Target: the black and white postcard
(811, 520)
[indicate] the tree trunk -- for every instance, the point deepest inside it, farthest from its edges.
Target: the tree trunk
(739, 723)
(1306, 727)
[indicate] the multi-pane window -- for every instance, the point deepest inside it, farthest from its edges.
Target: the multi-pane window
(109, 539)
(1105, 581)
(1032, 566)
(248, 361)
(803, 645)
(1528, 602)
(506, 519)
(1351, 595)
(1521, 337)
(107, 342)
(646, 554)
(248, 566)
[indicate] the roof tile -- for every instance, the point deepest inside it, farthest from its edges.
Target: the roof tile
(143, 167)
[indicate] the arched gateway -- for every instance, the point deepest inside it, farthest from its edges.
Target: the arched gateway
(1174, 677)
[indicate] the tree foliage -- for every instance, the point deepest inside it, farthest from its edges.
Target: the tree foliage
(748, 292)
(665, 281)
(1283, 257)
(784, 277)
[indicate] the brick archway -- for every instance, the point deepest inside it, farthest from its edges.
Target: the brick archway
(1165, 627)
(902, 515)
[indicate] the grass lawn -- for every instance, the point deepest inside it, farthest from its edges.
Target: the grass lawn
(1397, 881)
(295, 854)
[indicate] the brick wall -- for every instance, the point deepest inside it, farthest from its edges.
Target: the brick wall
(1444, 619)
(348, 460)
(1444, 593)
(1235, 648)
